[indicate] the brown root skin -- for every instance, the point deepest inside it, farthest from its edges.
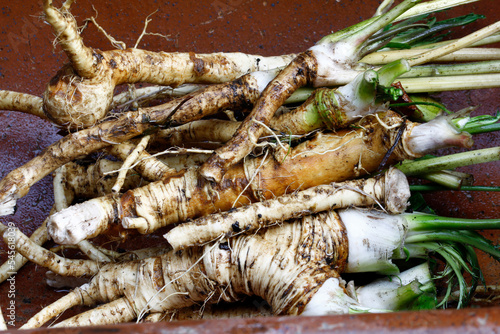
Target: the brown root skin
(69, 97)
(300, 72)
(284, 265)
(237, 94)
(94, 180)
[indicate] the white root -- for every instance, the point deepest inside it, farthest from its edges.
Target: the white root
(56, 308)
(331, 298)
(62, 199)
(73, 226)
(390, 191)
(436, 134)
(287, 265)
(385, 234)
(48, 259)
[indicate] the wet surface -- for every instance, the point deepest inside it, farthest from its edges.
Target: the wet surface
(28, 60)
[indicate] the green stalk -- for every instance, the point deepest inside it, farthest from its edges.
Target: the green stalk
(454, 265)
(461, 55)
(430, 187)
(450, 83)
(418, 167)
(425, 222)
(433, 6)
(419, 35)
(450, 179)
(478, 124)
(477, 275)
(412, 289)
(357, 35)
(482, 67)
(300, 95)
(465, 237)
(492, 39)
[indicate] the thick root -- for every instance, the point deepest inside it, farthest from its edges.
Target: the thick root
(17, 183)
(391, 191)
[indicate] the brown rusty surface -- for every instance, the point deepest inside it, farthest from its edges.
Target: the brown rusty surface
(486, 320)
(28, 60)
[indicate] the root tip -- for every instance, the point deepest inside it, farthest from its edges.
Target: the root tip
(8, 205)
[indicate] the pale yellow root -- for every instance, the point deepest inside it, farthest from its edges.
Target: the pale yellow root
(25, 103)
(390, 191)
(53, 310)
(324, 159)
(66, 30)
(127, 163)
(48, 259)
